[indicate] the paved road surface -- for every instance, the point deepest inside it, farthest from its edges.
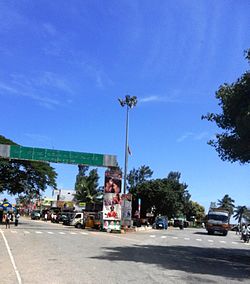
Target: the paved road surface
(42, 252)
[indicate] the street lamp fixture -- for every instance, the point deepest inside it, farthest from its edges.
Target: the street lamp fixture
(129, 102)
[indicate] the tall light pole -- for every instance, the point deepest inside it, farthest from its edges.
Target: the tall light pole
(129, 102)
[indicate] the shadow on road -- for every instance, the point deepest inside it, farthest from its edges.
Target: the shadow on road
(228, 263)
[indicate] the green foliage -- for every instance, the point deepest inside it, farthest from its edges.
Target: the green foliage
(86, 186)
(166, 196)
(138, 176)
(195, 209)
(227, 203)
(247, 215)
(239, 213)
(234, 143)
(25, 177)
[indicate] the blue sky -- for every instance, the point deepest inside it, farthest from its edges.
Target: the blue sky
(64, 64)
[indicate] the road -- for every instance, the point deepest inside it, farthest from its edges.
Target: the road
(39, 252)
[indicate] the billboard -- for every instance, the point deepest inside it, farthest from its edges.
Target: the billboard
(112, 200)
(113, 181)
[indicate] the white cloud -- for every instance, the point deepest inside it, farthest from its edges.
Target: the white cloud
(193, 136)
(184, 137)
(156, 98)
(47, 88)
(31, 93)
(96, 73)
(201, 135)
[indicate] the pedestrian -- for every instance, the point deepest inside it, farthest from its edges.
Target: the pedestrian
(7, 220)
(46, 217)
(16, 219)
(237, 229)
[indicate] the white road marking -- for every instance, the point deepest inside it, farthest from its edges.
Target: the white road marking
(163, 237)
(51, 233)
(72, 233)
(26, 232)
(83, 233)
(234, 243)
(11, 258)
(187, 239)
(223, 242)
(199, 240)
(152, 236)
(38, 232)
(211, 241)
(14, 232)
(62, 233)
(175, 238)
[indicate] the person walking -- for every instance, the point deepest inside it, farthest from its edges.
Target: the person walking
(46, 217)
(16, 219)
(7, 220)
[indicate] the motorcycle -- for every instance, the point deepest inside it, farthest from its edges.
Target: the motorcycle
(181, 226)
(245, 237)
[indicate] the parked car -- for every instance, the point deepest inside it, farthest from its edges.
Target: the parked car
(35, 215)
(73, 218)
(161, 222)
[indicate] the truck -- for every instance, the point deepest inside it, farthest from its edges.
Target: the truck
(217, 220)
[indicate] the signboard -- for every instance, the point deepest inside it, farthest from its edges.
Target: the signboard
(112, 225)
(112, 200)
(56, 156)
(126, 207)
(113, 181)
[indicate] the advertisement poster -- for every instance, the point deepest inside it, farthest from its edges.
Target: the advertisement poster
(112, 225)
(112, 200)
(113, 181)
(126, 209)
(112, 206)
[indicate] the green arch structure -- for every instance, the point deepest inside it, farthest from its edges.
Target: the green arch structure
(17, 152)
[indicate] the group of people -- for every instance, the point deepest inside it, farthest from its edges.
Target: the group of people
(9, 217)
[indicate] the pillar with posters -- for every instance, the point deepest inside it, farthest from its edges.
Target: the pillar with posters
(112, 200)
(126, 210)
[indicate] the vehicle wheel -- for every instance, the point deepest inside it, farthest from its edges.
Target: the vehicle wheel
(224, 233)
(78, 226)
(210, 232)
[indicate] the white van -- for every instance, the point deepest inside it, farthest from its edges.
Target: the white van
(78, 217)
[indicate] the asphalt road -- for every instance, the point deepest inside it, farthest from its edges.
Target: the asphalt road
(39, 252)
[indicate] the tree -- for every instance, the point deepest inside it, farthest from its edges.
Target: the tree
(196, 210)
(138, 176)
(227, 203)
(25, 177)
(165, 196)
(233, 144)
(239, 213)
(86, 186)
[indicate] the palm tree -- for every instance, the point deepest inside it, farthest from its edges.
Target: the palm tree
(239, 213)
(86, 187)
(227, 203)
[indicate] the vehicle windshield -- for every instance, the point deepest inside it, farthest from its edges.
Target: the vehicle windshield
(217, 217)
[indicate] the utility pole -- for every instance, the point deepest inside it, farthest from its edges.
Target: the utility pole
(129, 102)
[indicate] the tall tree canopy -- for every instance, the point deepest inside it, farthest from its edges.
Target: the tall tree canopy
(234, 143)
(25, 177)
(86, 185)
(137, 176)
(167, 196)
(227, 203)
(239, 213)
(194, 209)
